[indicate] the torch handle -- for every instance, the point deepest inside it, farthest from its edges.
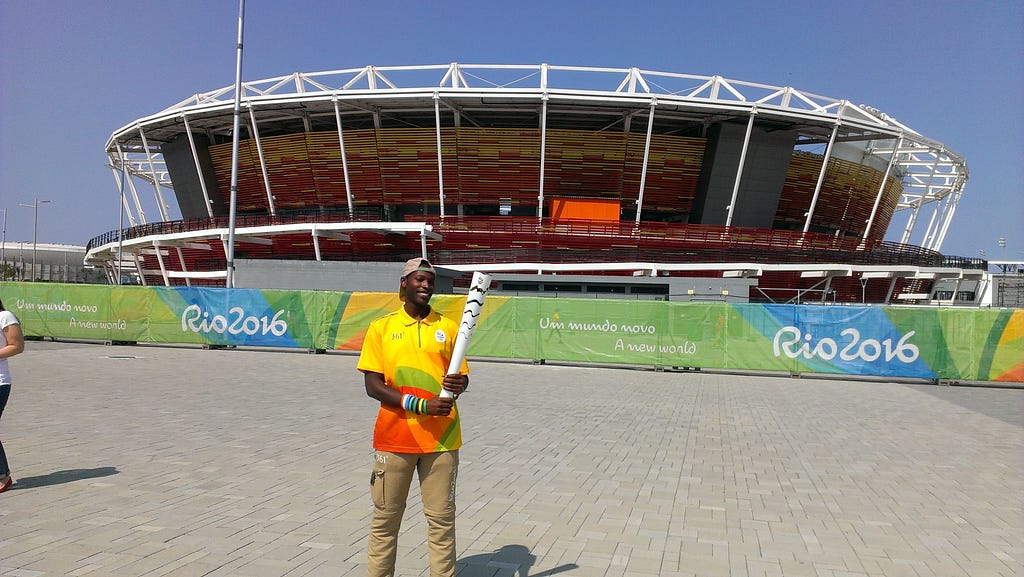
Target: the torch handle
(470, 315)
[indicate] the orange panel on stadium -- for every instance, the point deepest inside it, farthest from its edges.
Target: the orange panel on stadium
(584, 208)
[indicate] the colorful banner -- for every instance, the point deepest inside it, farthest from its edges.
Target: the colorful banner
(241, 317)
(91, 312)
(918, 342)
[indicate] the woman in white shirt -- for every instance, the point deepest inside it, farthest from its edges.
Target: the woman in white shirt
(12, 342)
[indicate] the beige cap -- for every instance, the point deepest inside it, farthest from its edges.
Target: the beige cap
(412, 265)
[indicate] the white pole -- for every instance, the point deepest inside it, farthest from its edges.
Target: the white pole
(881, 188)
(35, 228)
(199, 167)
(739, 169)
(821, 174)
(543, 152)
(120, 223)
(440, 165)
(344, 159)
(232, 209)
(3, 245)
(647, 156)
(263, 163)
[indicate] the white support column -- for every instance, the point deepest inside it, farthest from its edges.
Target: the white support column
(316, 244)
(956, 289)
(543, 137)
(138, 267)
(131, 186)
(135, 197)
(224, 245)
(940, 227)
(161, 205)
(937, 234)
(371, 77)
(948, 218)
(123, 199)
(199, 168)
(881, 188)
(929, 233)
(981, 289)
(184, 268)
(543, 148)
(911, 222)
(263, 162)
(892, 287)
(917, 209)
(163, 268)
(423, 242)
(643, 170)
(457, 121)
(824, 167)
(828, 286)
(109, 270)
(739, 169)
(440, 165)
(921, 203)
(344, 158)
(120, 220)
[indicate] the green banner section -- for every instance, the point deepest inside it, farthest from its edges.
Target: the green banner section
(94, 312)
(924, 342)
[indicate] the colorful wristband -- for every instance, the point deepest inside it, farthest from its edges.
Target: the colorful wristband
(414, 404)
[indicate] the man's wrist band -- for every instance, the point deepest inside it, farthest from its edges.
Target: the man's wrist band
(414, 404)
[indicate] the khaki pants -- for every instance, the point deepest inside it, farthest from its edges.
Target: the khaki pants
(392, 476)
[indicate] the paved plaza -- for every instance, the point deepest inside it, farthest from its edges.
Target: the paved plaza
(174, 461)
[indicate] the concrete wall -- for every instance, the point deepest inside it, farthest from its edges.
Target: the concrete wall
(383, 277)
(329, 275)
(181, 166)
(679, 289)
(764, 173)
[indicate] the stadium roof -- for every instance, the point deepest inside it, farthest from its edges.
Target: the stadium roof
(479, 92)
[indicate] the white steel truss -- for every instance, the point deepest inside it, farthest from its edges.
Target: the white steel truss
(929, 171)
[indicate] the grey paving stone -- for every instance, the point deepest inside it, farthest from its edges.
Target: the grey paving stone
(247, 463)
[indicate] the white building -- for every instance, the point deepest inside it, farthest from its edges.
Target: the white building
(46, 262)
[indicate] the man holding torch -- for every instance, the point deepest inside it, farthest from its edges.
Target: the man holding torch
(405, 364)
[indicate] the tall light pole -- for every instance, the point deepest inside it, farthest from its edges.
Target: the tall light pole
(233, 202)
(3, 247)
(35, 229)
(1005, 266)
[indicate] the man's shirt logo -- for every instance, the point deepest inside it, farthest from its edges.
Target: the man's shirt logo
(396, 336)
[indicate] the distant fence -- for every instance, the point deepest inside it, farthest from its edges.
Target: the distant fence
(911, 342)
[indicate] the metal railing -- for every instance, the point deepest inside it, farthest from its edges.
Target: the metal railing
(589, 240)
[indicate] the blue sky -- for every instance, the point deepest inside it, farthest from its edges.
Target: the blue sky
(72, 73)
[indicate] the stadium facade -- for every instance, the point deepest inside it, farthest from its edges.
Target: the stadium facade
(541, 170)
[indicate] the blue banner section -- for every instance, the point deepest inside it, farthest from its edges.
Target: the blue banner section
(230, 317)
(846, 340)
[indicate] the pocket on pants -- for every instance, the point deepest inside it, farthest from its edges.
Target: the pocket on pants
(377, 482)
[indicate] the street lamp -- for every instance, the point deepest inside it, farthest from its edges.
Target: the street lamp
(3, 247)
(35, 228)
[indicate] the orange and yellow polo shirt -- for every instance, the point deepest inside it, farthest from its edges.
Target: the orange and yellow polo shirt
(413, 356)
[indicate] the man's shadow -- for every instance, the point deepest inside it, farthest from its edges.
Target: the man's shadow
(515, 557)
(60, 477)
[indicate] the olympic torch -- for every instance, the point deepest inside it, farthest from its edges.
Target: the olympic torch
(470, 315)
